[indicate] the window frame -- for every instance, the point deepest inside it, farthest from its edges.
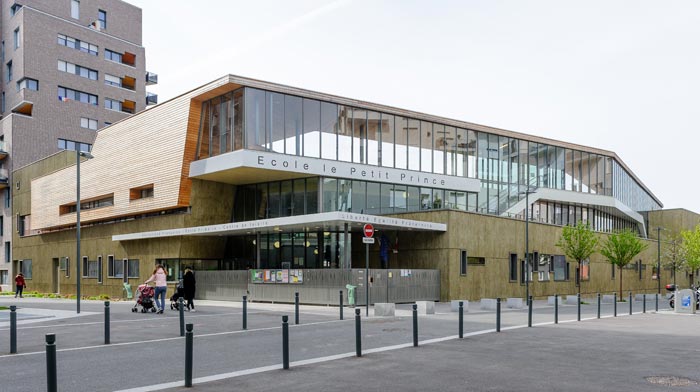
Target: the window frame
(463, 261)
(512, 268)
(102, 19)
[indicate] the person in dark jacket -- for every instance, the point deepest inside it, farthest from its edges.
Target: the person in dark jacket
(188, 283)
(20, 284)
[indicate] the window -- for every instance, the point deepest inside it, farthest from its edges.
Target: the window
(75, 9)
(612, 270)
(71, 145)
(62, 263)
(81, 71)
(90, 268)
(77, 44)
(85, 267)
(4, 277)
(113, 56)
(133, 268)
(7, 196)
(99, 269)
(66, 94)
(8, 251)
(543, 267)
(463, 262)
(29, 84)
(2, 51)
(17, 38)
(2, 229)
(113, 104)
(102, 19)
(476, 260)
(125, 267)
(113, 80)
(585, 270)
(14, 8)
(26, 268)
(2, 104)
(115, 267)
(8, 71)
(513, 267)
(642, 267)
(88, 123)
(87, 205)
(23, 224)
(561, 269)
(141, 192)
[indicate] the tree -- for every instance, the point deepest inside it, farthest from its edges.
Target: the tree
(673, 257)
(691, 248)
(620, 248)
(578, 243)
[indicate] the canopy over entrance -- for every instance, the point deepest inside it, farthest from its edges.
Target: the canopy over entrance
(327, 221)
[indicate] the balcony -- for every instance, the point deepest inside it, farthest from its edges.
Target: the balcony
(151, 78)
(4, 179)
(3, 151)
(24, 107)
(151, 99)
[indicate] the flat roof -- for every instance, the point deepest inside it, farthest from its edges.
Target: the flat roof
(324, 221)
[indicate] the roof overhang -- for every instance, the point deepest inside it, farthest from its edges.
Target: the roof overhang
(24, 107)
(325, 221)
(615, 206)
(248, 166)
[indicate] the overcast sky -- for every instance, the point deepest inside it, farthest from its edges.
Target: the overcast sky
(618, 75)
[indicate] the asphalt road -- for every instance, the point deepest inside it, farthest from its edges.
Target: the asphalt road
(147, 350)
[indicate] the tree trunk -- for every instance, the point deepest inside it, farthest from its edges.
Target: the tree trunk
(620, 282)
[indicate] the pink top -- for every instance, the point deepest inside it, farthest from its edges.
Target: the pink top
(159, 277)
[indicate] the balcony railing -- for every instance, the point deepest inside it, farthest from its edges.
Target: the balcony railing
(151, 99)
(151, 78)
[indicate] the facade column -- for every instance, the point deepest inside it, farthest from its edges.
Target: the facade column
(346, 248)
(257, 250)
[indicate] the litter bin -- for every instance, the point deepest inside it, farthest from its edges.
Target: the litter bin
(351, 294)
(127, 289)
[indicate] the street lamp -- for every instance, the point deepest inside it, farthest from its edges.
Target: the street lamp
(527, 192)
(78, 260)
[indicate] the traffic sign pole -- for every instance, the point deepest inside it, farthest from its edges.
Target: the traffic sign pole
(368, 230)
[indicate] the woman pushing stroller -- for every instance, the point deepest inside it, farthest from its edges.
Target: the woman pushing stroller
(161, 279)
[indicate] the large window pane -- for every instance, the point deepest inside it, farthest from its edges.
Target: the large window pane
(312, 195)
(329, 138)
(292, 124)
(439, 143)
(569, 170)
(387, 131)
(585, 173)
(344, 133)
(238, 119)
(471, 154)
(461, 153)
(413, 199)
(275, 210)
(577, 171)
(312, 128)
(359, 135)
(345, 195)
(275, 121)
(373, 198)
(426, 145)
(298, 201)
(561, 168)
(373, 137)
(359, 193)
(226, 123)
(413, 144)
(401, 142)
(255, 119)
(330, 194)
(386, 198)
(203, 132)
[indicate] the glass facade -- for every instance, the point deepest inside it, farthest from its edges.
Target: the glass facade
(255, 119)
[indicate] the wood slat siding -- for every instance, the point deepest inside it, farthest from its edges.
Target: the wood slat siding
(155, 146)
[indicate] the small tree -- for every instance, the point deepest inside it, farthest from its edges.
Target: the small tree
(691, 248)
(578, 243)
(620, 248)
(673, 257)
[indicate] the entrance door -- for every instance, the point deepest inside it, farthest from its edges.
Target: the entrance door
(54, 276)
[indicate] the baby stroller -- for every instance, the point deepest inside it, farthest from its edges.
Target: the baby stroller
(179, 293)
(144, 299)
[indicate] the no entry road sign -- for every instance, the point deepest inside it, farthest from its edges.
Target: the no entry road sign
(368, 230)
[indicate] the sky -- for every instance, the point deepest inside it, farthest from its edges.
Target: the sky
(620, 75)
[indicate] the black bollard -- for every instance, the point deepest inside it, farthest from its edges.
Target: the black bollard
(181, 308)
(461, 319)
(529, 311)
(106, 322)
(657, 301)
(189, 340)
(498, 315)
(358, 334)
(644, 303)
(614, 304)
(51, 379)
(630, 303)
(296, 308)
(285, 343)
(415, 325)
(245, 312)
(578, 306)
(13, 329)
(341, 304)
(598, 305)
(556, 309)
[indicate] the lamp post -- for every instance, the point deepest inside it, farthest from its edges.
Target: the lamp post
(527, 192)
(78, 260)
(658, 260)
